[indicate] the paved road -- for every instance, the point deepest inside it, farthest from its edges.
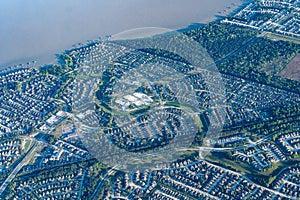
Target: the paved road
(100, 184)
(15, 171)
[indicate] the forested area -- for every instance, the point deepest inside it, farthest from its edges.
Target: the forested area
(220, 39)
(241, 52)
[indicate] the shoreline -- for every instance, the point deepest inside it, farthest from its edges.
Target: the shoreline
(50, 58)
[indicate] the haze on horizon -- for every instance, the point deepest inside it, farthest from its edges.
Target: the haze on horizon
(38, 29)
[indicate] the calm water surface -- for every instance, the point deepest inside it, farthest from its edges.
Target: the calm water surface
(38, 29)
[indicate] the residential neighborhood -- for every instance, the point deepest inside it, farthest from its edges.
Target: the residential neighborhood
(126, 119)
(280, 17)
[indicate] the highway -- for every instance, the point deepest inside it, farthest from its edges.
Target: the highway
(16, 170)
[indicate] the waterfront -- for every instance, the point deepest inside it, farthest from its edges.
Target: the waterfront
(37, 30)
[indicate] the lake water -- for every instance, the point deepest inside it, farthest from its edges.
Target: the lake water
(38, 29)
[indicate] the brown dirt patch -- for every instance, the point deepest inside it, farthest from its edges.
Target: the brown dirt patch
(292, 70)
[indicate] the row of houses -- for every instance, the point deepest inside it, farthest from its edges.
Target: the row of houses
(192, 179)
(279, 17)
